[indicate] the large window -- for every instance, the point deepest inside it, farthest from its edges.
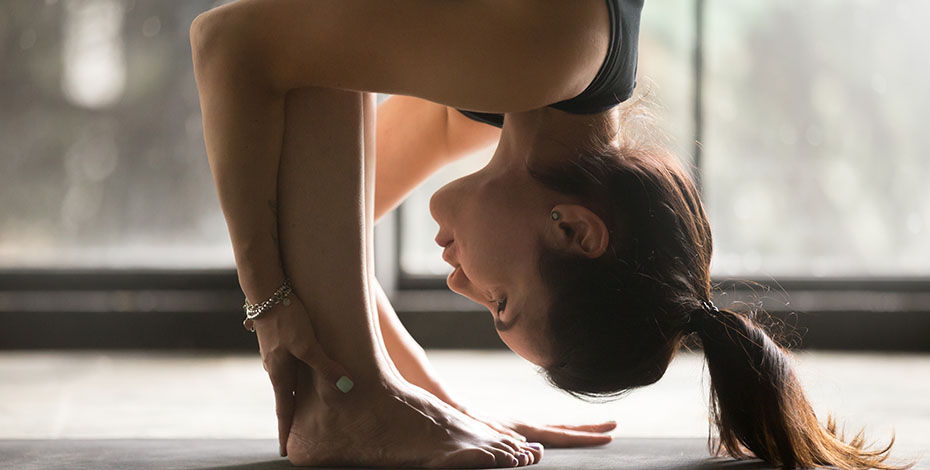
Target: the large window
(812, 141)
(815, 141)
(103, 161)
(803, 118)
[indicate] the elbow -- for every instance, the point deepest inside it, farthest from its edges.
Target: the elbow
(203, 32)
(219, 40)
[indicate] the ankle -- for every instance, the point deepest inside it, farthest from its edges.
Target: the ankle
(364, 387)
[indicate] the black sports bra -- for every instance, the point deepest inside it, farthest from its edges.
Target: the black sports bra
(616, 79)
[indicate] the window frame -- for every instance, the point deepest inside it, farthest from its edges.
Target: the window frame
(152, 309)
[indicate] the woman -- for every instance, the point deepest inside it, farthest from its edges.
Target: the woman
(591, 250)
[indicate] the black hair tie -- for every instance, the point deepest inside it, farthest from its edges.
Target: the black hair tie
(696, 319)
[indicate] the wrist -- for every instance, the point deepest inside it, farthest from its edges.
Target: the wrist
(258, 285)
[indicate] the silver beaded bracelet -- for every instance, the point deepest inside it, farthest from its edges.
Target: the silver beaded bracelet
(253, 311)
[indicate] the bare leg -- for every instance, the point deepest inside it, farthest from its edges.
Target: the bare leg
(321, 219)
(321, 186)
(325, 191)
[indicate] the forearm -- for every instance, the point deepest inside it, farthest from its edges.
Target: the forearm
(248, 195)
(244, 154)
(408, 356)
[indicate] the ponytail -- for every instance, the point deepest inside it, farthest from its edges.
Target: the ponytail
(614, 323)
(759, 407)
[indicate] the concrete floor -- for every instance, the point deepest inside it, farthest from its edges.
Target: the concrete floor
(103, 395)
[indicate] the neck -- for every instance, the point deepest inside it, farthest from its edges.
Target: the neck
(548, 136)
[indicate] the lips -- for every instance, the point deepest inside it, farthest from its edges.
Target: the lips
(448, 258)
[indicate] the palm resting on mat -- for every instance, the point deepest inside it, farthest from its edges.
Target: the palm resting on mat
(590, 247)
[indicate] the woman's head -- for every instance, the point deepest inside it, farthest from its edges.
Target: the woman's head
(563, 279)
(601, 297)
(493, 223)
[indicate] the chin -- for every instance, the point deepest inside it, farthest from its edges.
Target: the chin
(531, 358)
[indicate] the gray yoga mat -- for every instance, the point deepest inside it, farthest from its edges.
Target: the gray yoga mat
(261, 454)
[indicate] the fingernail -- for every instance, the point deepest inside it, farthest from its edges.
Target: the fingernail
(344, 384)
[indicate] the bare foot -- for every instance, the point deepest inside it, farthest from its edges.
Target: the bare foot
(393, 425)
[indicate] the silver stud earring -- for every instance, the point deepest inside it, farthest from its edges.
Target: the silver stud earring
(555, 215)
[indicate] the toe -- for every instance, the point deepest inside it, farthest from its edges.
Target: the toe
(536, 449)
(468, 458)
(513, 443)
(508, 444)
(503, 458)
(515, 451)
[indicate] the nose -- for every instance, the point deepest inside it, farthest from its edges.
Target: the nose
(439, 203)
(432, 207)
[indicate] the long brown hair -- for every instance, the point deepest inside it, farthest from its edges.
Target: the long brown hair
(616, 321)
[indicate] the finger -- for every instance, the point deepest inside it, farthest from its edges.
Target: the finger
(284, 406)
(503, 430)
(556, 437)
(497, 426)
(283, 380)
(603, 427)
(331, 371)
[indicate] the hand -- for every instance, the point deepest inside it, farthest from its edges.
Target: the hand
(286, 336)
(559, 435)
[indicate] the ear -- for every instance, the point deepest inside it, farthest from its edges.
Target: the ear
(578, 231)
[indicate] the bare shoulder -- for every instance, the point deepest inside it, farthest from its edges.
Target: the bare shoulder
(482, 55)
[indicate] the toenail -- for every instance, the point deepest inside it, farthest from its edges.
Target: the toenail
(536, 445)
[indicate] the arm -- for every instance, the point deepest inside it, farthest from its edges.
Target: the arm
(244, 134)
(408, 356)
(414, 139)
